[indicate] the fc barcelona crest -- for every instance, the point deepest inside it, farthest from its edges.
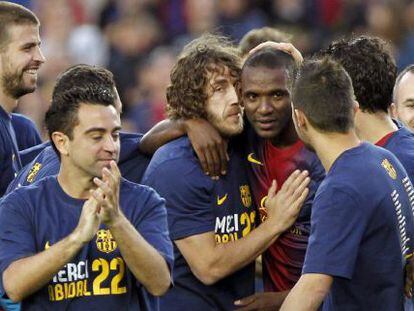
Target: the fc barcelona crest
(245, 195)
(105, 241)
(389, 168)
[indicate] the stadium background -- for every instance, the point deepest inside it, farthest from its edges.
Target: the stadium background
(138, 40)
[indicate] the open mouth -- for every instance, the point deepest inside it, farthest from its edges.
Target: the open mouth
(266, 124)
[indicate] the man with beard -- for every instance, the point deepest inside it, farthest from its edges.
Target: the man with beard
(41, 160)
(362, 231)
(272, 151)
(20, 59)
(85, 239)
(211, 220)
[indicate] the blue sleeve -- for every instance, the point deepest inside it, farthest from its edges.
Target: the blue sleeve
(29, 154)
(129, 145)
(26, 131)
(153, 226)
(187, 191)
(16, 235)
(337, 226)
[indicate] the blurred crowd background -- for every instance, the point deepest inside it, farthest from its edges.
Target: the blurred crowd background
(138, 40)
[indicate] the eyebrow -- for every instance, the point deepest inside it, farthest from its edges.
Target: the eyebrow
(101, 129)
(257, 91)
(408, 100)
(220, 81)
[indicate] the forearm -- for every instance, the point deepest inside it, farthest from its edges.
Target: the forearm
(144, 261)
(247, 249)
(212, 262)
(308, 294)
(27, 275)
(160, 134)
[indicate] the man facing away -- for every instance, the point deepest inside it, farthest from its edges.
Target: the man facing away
(20, 60)
(372, 69)
(86, 238)
(211, 220)
(362, 222)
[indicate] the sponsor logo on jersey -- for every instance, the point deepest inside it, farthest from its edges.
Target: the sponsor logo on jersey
(389, 168)
(252, 159)
(245, 195)
(221, 200)
(105, 241)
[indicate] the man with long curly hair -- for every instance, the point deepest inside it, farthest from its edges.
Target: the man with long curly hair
(211, 220)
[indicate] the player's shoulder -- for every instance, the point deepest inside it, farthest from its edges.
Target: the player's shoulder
(136, 191)
(31, 191)
(353, 166)
(175, 156)
(22, 121)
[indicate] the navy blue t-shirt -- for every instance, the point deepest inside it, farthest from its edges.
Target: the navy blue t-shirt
(401, 144)
(362, 230)
(44, 162)
(10, 162)
(27, 133)
(35, 217)
(197, 204)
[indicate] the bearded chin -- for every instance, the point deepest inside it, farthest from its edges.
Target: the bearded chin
(13, 86)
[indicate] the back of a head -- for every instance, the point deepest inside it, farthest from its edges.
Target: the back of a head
(12, 14)
(78, 84)
(371, 67)
(323, 92)
(259, 35)
(186, 95)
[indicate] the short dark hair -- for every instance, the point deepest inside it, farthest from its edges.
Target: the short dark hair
(271, 59)
(79, 84)
(13, 14)
(408, 69)
(323, 91)
(371, 67)
(186, 95)
(259, 35)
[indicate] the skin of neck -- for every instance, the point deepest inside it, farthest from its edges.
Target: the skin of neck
(6, 102)
(329, 146)
(287, 137)
(374, 126)
(74, 181)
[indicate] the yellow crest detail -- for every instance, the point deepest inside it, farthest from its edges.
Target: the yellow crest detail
(389, 168)
(105, 241)
(262, 209)
(33, 172)
(245, 195)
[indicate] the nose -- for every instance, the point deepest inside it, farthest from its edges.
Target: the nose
(265, 106)
(233, 98)
(39, 57)
(110, 144)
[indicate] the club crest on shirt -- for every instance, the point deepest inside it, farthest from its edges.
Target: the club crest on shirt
(33, 172)
(262, 209)
(105, 241)
(389, 168)
(245, 195)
